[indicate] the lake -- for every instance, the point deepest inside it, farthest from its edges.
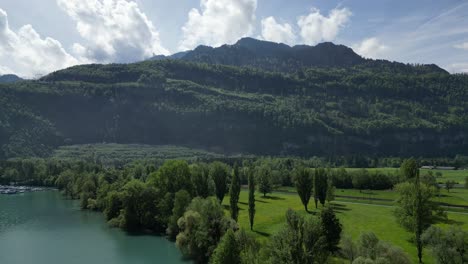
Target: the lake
(44, 228)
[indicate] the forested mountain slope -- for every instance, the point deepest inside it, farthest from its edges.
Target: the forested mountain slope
(373, 108)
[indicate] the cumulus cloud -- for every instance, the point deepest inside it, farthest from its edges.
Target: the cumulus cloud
(316, 27)
(461, 67)
(276, 32)
(29, 55)
(115, 30)
(218, 22)
(370, 48)
(462, 46)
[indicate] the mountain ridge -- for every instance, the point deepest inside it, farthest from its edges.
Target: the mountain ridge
(272, 56)
(9, 78)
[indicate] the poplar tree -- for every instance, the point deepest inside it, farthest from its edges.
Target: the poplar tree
(304, 185)
(234, 192)
(251, 180)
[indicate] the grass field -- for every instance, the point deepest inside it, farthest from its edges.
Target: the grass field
(456, 196)
(355, 217)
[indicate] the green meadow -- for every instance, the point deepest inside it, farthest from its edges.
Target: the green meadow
(356, 217)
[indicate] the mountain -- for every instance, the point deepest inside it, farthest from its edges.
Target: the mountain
(9, 78)
(280, 57)
(394, 110)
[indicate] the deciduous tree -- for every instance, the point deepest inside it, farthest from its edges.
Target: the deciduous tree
(304, 185)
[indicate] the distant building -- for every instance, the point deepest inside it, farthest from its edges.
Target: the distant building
(446, 168)
(427, 167)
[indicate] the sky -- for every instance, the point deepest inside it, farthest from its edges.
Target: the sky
(41, 36)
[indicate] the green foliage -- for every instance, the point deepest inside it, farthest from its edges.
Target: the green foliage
(304, 185)
(331, 228)
(114, 203)
(201, 228)
(320, 186)
(181, 201)
(139, 206)
(410, 169)
(415, 206)
(447, 246)
(264, 180)
(300, 241)
(219, 174)
(251, 182)
(376, 107)
(228, 250)
(202, 181)
(234, 192)
(173, 176)
(370, 249)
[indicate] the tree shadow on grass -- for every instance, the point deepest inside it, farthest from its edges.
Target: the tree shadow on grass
(260, 201)
(339, 208)
(244, 203)
(311, 212)
(265, 234)
(273, 197)
(450, 222)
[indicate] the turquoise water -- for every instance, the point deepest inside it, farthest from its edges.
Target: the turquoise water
(44, 228)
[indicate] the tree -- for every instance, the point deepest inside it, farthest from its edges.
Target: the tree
(300, 241)
(219, 174)
(361, 179)
(251, 181)
(320, 186)
(372, 250)
(447, 246)
(414, 206)
(201, 228)
(264, 180)
(139, 206)
(228, 250)
(331, 228)
(349, 249)
(172, 176)
(114, 203)
(449, 185)
(409, 169)
(181, 201)
(330, 192)
(304, 185)
(203, 183)
(234, 193)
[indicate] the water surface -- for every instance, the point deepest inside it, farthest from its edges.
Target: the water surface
(44, 228)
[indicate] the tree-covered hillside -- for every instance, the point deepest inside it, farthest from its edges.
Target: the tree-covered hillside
(375, 108)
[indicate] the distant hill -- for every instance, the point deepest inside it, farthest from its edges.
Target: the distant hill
(270, 99)
(272, 56)
(9, 78)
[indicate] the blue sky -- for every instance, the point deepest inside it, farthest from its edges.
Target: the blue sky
(39, 36)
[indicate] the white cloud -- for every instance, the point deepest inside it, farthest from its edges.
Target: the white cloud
(273, 31)
(27, 54)
(115, 30)
(462, 46)
(461, 67)
(218, 22)
(370, 48)
(315, 27)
